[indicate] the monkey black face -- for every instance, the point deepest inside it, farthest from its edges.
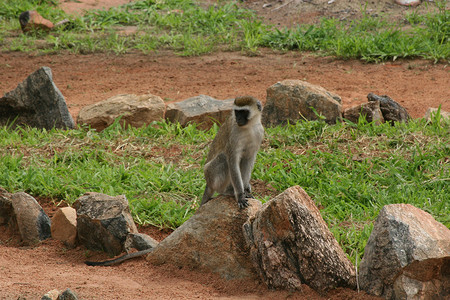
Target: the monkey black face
(241, 116)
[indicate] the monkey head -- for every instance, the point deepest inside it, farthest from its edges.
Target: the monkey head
(245, 109)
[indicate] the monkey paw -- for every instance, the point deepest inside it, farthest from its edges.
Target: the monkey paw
(242, 203)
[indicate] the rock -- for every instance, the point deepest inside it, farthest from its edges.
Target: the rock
(391, 110)
(431, 114)
(33, 222)
(136, 111)
(36, 102)
(290, 244)
(68, 294)
(201, 110)
(32, 20)
(64, 226)
(103, 222)
(407, 256)
(6, 208)
(293, 100)
(371, 111)
(51, 295)
(211, 240)
(139, 241)
(408, 2)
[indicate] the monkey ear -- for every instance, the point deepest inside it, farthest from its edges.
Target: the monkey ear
(258, 104)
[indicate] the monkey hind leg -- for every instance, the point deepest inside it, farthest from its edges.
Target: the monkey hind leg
(229, 191)
(207, 195)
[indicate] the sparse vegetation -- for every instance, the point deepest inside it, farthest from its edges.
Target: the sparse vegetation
(350, 170)
(189, 29)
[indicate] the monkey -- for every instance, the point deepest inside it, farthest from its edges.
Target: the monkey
(232, 153)
(119, 259)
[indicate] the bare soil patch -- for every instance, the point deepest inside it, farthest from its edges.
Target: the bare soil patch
(86, 79)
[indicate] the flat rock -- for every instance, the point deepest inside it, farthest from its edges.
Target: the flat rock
(407, 256)
(103, 222)
(201, 110)
(33, 222)
(36, 102)
(64, 226)
(136, 111)
(211, 240)
(291, 244)
(294, 100)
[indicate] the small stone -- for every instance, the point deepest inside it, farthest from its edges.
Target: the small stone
(370, 111)
(31, 19)
(64, 226)
(68, 294)
(51, 295)
(391, 110)
(6, 208)
(408, 2)
(431, 114)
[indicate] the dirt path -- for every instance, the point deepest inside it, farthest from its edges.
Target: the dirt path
(415, 84)
(87, 79)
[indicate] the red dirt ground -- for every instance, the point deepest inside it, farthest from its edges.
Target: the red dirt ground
(30, 272)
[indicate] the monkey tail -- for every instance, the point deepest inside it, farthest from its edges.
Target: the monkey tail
(119, 259)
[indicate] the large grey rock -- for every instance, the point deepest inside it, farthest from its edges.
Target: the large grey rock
(6, 208)
(211, 240)
(32, 221)
(407, 256)
(64, 226)
(290, 244)
(370, 111)
(293, 100)
(103, 222)
(391, 110)
(136, 111)
(201, 110)
(36, 102)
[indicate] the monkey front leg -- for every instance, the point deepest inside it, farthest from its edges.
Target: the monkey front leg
(238, 185)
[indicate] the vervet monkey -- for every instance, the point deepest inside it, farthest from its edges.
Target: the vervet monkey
(233, 152)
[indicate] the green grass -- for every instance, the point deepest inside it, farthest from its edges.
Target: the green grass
(188, 29)
(350, 170)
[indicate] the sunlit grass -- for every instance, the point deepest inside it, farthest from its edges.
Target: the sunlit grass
(188, 29)
(350, 170)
